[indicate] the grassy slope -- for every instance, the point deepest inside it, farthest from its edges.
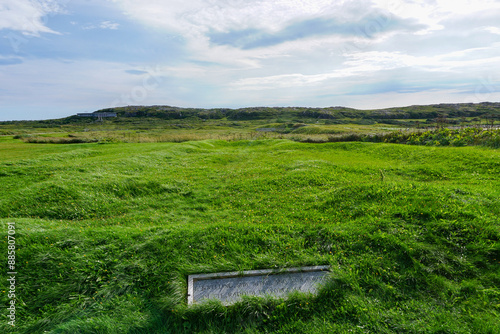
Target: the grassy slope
(108, 233)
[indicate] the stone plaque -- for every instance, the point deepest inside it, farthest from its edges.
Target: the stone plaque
(230, 287)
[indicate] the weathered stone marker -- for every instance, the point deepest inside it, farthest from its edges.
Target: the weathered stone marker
(230, 287)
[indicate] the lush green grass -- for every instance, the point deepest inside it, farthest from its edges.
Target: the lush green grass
(107, 235)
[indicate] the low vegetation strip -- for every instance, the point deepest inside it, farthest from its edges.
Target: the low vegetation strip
(108, 234)
(56, 140)
(449, 137)
(436, 137)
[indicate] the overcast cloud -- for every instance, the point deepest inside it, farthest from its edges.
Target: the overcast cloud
(59, 57)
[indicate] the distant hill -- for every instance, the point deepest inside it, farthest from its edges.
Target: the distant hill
(407, 116)
(333, 113)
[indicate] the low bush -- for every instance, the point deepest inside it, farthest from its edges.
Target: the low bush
(437, 137)
(54, 140)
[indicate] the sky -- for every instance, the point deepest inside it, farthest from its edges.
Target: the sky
(62, 57)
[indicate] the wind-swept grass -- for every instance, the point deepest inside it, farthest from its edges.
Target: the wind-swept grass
(107, 235)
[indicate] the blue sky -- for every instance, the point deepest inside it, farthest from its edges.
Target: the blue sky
(60, 57)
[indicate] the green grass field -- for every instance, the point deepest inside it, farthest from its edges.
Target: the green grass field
(106, 235)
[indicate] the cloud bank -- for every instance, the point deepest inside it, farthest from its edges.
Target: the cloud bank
(235, 53)
(27, 16)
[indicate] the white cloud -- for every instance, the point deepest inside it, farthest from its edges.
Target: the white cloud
(362, 67)
(432, 12)
(302, 80)
(28, 17)
(103, 25)
(195, 19)
(222, 15)
(109, 25)
(321, 63)
(493, 30)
